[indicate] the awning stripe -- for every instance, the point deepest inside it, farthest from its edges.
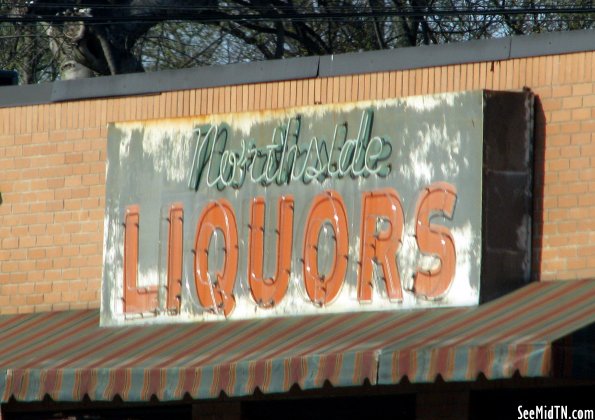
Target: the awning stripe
(309, 341)
(398, 330)
(127, 353)
(67, 355)
(499, 347)
(523, 319)
(491, 319)
(579, 308)
(34, 335)
(264, 337)
(82, 331)
(205, 339)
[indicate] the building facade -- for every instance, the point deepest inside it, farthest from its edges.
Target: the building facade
(53, 155)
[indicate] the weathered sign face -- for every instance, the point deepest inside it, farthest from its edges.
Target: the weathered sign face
(365, 206)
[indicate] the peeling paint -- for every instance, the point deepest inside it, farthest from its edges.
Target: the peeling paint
(430, 102)
(468, 245)
(432, 139)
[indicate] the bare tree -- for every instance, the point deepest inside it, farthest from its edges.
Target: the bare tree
(96, 37)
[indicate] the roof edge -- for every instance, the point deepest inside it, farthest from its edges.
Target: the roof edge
(299, 68)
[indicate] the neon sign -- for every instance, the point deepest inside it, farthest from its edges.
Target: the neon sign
(285, 159)
(368, 206)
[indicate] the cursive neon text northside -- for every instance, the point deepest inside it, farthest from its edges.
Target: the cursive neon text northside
(286, 159)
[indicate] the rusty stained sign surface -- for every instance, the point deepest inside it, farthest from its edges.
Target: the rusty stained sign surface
(363, 206)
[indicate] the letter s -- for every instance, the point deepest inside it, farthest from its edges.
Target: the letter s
(435, 240)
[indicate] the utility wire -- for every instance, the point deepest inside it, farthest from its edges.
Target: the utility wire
(218, 16)
(264, 7)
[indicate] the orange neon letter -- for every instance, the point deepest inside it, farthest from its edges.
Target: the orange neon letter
(327, 208)
(268, 292)
(216, 294)
(435, 240)
(174, 257)
(381, 232)
(136, 299)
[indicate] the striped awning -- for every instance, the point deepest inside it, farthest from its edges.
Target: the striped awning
(66, 355)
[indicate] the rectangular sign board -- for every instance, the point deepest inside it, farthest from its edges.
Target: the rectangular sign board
(372, 205)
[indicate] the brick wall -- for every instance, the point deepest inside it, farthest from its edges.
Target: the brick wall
(52, 166)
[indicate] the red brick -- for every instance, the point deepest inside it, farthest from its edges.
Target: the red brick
(62, 306)
(588, 101)
(578, 214)
(581, 114)
(43, 265)
(587, 175)
(552, 104)
(73, 158)
(567, 226)
(69, 296)
(569, 127)
(572, 102)
(582, 89)
(561, 91)
(52, 298)
(588, 126)
(561, 115)
(576, 263)
(558, 165)
(22, 139)
(10, 243)
(570, 151)
(34, 299)
(586, 200)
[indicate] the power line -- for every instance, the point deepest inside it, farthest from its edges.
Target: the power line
(41, 5)
(181, 14)
(429, 19)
